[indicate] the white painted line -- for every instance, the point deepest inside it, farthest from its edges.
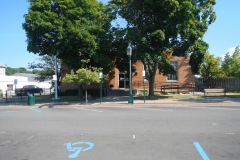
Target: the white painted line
(210, 108)
(36, 110)
(8, 111)
(30, 137)
(227, 109)
(5, 142)
(134, 137)
(230, 133)
(3, 132)
(154, 109)
(91, 110)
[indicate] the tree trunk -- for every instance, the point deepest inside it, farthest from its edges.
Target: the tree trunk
(86, 96)
(80, 91)
(151, 82)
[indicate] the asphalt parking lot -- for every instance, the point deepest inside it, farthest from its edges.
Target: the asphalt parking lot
(123, 132)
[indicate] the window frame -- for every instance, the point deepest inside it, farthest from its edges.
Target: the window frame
(171, 77)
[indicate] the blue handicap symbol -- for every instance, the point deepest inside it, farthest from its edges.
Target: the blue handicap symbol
(77, 150)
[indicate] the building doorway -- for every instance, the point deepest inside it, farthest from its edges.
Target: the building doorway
(123, 80)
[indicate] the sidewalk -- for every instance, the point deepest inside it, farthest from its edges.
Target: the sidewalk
(205, 101)
(123, 100)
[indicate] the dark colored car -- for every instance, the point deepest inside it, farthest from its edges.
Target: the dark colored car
(28, 89)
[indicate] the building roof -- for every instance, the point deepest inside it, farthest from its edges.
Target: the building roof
(31, 77)
(3, 66)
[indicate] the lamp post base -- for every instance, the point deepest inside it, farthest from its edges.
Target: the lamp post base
(130, 100)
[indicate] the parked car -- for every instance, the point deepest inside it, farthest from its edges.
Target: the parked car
(28, 89)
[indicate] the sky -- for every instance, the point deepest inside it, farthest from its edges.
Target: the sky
(222, 36)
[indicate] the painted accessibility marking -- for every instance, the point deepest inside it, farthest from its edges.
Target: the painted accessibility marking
(201, 151)
(78, 150)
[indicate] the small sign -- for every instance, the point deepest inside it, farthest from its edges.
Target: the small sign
(15, 81)
(100, 75)
(143, 73)
(54, 77)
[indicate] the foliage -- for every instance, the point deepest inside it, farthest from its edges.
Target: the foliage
(46, 68)
(155, 27)
(211, 68)
(231, 64)
(82, 77)
(10, 71)
(70, 29)
(1, 93)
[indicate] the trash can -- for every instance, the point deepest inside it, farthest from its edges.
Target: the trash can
(31, 100)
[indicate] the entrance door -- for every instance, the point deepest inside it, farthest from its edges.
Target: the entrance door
(123, 80)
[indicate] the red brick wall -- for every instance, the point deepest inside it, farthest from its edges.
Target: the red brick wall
(185, 75)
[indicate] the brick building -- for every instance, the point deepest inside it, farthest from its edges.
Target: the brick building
(183, 77)
(120, 79)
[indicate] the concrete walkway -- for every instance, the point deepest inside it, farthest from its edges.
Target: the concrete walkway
(204, 101)
(123, 100)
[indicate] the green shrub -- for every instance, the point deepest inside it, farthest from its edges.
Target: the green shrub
(1, 93)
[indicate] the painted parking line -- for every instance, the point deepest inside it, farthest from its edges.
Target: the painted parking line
(201, 151)
(226, 109)
(8, 111)
(36, 110)
(154, 109)
(91, 110)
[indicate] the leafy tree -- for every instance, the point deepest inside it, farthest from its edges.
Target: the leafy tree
(69, 29)
(161, 29)
(83, 77)
(45, 68)
(11, 71)
(231, 64)
(211, 68)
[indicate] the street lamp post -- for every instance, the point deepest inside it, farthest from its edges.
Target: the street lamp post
(56, 79)
(129, 53)
(101, 77)
(143, 74)
(58, 10)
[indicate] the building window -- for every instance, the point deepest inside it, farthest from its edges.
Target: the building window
(173, 77)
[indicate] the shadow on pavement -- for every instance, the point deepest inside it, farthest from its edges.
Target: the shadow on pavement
(215, 99)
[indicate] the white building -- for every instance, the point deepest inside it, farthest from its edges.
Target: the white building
(2, 69)
(18, 80)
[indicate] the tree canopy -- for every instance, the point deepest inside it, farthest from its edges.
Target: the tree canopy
(231, 64)
(72, 30)
(81, 34)
(82, 77)
(46, 68)
(10, 71)
(211, 68)
(160, 29)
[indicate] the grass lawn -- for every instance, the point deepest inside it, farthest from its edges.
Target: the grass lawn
(45, 99)
(158, 95)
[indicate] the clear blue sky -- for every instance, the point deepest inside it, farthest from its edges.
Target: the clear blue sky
(222, 35)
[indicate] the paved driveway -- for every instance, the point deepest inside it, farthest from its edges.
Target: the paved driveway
(123, 132)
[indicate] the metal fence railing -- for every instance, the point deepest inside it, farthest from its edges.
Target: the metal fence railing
(10, 96)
